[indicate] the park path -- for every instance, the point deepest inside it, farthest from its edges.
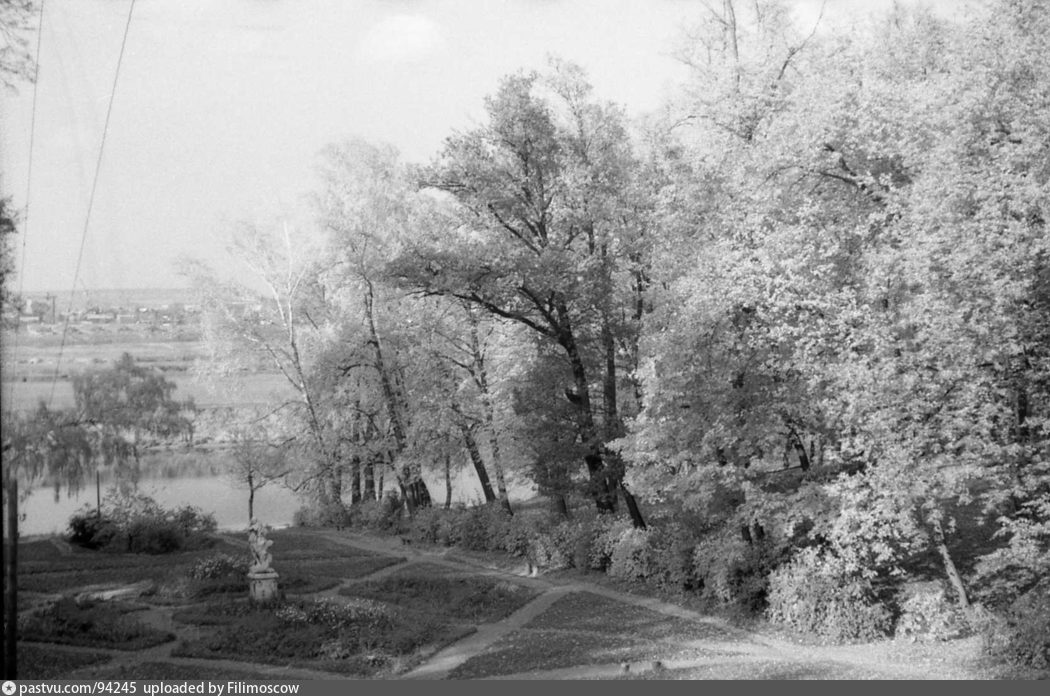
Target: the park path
(732, 653)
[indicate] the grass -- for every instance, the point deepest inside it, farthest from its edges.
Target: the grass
(583, 628)
(44, 662)
(424, 591)
(586, 611)
(93, 624)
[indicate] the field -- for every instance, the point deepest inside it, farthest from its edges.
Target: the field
(31, 362)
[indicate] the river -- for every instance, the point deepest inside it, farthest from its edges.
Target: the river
(176, 479)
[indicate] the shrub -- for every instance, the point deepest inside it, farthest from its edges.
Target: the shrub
(330, 515)
(927, 614)
(729, 570)
(606, 537)
(671, 557)
(220, 566)
(631, 557)
(473, 529)
(138, 524)
(1022, 635)
(153, 535)
(379, 515)
(88, 529)
(815, 593)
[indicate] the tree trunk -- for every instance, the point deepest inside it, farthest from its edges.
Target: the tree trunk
(604, 498)
(448, 481)
(614, 426)
(355, 480)
(632, 507)
(479, 465)
(417, 487)
(370, 479)
(949, 567)
(560, 506)
(251, 498)
(3, 585)
(482, 379)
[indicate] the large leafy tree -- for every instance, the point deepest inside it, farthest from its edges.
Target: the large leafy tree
(547, 234)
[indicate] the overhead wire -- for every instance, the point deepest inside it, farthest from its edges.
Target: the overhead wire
(91, 199)
(29, 184)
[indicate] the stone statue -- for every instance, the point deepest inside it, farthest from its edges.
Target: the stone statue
(259, 545)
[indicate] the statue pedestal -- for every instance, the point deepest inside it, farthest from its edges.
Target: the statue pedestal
(262, 586)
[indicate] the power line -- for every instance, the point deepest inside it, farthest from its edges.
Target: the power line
(91, 200)
(29, 185)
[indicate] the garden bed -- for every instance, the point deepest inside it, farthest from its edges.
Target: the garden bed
(361, 638)
(91, 623)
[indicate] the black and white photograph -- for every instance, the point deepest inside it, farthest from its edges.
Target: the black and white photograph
(594, 340)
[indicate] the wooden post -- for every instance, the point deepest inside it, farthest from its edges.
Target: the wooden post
(11, 603)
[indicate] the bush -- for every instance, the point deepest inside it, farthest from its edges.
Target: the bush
(88, 529)
(606, 537)
(631, 557)
(331, 515)
(1022, 636)
(729, 570)
(815, 593)
(671, 557)
(219, 567)
(154, 535)
(927, 614)
(379, 515)
(136, 523)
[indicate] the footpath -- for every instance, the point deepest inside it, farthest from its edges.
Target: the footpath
(577, 629)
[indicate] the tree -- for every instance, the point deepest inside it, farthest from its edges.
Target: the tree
(115, 409)
(16, 62)
(255, 462)
(367, 207)
(280, 328)
(544, 228)
(124, 405)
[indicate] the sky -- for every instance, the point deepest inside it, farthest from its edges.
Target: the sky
(222, 106)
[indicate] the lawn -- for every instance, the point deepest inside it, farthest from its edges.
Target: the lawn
(427, 590)
(587, 629)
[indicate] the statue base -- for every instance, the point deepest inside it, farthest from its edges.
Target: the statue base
(262, 586)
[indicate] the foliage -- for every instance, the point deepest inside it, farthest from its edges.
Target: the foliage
(927, 614)
(732, 571)
(1022, 636)
(816, 592)
(16, 61)
(219, 567)
(1008, 572)
(136, 523)
(328, 515)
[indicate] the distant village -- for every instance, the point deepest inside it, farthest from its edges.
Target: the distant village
(46, 311)
(49, 313)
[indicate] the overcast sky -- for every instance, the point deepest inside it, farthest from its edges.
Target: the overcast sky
(223, 105)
